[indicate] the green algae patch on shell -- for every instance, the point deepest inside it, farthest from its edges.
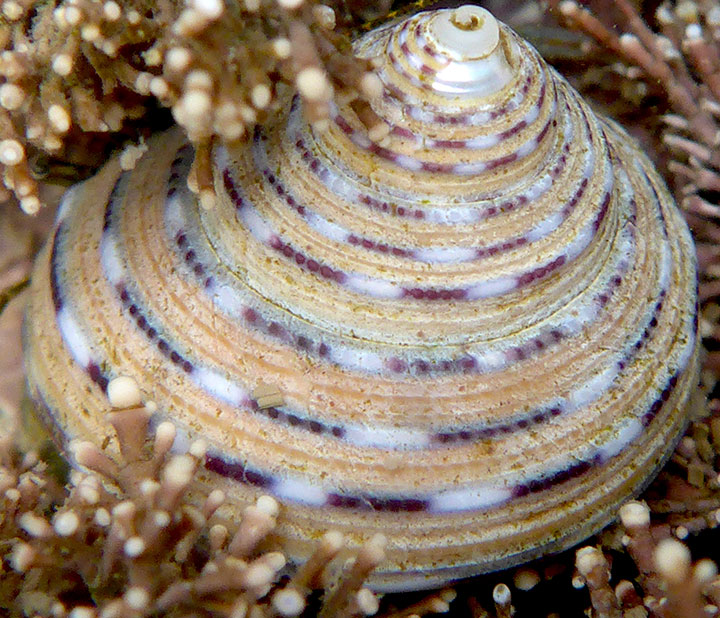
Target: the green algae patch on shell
(476, 334)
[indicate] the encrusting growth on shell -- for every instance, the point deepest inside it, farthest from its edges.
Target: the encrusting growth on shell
(99, 65)
(133, 544)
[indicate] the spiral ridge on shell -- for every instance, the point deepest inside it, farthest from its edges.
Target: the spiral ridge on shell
(475, 333)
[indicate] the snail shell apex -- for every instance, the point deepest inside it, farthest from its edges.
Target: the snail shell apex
(479, 334)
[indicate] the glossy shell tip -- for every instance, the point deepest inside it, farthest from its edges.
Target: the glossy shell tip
(467, 40)
(467, 32)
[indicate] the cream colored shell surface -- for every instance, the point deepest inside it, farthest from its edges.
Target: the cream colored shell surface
(482, 327)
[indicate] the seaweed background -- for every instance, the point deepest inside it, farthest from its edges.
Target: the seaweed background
(81, 79)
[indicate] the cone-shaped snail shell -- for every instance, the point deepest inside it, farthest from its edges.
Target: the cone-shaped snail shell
(475, 334)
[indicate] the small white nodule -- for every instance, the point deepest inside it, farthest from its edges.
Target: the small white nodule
(124, 392)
